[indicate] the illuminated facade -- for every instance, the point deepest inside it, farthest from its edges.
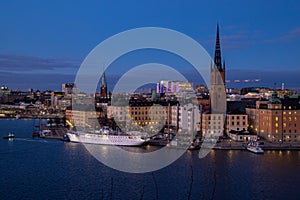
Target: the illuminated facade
(141, 115)
(277, 120)
(236, 122)
(212, 125)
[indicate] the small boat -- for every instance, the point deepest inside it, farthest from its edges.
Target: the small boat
(10, 135)
(45, 132)
(253, 147)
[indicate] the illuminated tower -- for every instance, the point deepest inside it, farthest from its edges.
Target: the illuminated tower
(103, 88)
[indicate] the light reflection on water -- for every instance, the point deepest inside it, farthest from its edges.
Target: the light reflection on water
(34, 169)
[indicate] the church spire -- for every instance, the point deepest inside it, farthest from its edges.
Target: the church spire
(218, 58)
(103, 79)
(103, 88)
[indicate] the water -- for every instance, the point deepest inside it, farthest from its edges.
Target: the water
(51, 169)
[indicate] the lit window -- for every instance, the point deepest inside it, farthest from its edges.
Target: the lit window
(276, 118)
(276, 131)
(276, 124)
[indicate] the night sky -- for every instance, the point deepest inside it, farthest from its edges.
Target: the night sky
(42, 43)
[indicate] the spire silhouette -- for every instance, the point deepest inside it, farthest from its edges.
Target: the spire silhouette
(218, 58)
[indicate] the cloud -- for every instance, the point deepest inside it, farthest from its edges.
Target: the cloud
(31, 64)
(291, 35)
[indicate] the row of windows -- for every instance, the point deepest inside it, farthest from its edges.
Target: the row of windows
(285, 125)
(289, 112)
(290, 131)
(290, 107)
(213, 118)
(146, 113)
(214, 122)
(148, 118)
(214, 127)
(147, 108)
(238, 117)
(237, 123)
(290, 118)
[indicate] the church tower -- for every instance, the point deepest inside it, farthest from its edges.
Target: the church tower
(103, 88)
(217, 80)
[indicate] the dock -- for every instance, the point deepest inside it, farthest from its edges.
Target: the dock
(55, 132)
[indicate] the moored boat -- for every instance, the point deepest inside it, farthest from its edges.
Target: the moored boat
(45, 132)
(253, 147)
(105, 139)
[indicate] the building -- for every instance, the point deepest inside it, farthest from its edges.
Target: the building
(212, 125)
(83, 117)
(217, 81)
(175, 87)
(242, 136)
(277, 120)
(69, 88)
(186, 117)
(236, 121)
(141, 114)
(213, 120)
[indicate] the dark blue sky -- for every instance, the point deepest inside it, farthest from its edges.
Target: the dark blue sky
(44, 42)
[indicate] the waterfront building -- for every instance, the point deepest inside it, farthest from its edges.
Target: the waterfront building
(213, 120)
(141, 113)
(186, 117)
(236, 121)
(277, 120)
(242, 136)
(83, 117)
(212, 124)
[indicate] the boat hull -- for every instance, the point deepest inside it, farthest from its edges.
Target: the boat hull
(118, 140)
(257, 150)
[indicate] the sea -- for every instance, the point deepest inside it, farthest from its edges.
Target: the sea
(35, 168)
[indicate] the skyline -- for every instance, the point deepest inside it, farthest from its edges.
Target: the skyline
(43, 44)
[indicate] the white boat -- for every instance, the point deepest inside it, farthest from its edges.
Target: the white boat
(45, 132)
(253, 147)
(105, 139)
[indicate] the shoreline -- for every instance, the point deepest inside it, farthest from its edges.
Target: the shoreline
(224, 145)
(264, 148)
